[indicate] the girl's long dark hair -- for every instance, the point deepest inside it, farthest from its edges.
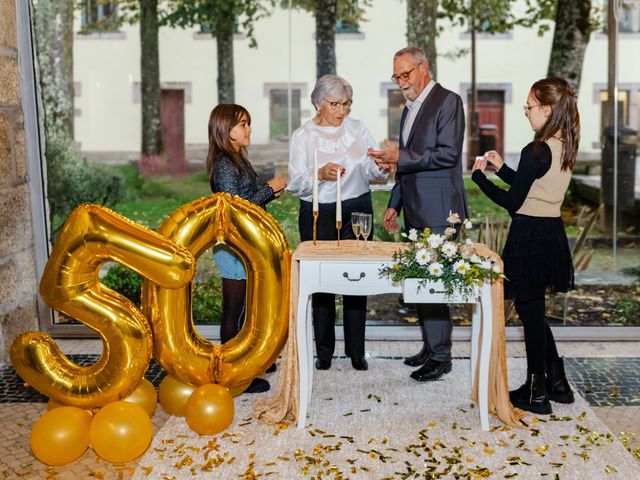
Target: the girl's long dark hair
(223, 118)
(556, 93)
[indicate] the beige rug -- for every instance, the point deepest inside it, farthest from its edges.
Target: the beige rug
(381, 424)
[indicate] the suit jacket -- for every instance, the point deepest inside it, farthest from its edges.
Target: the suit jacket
(429, 173)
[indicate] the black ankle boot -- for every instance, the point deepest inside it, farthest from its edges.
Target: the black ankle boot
(535, 400)
(521, 393)
(558, 387)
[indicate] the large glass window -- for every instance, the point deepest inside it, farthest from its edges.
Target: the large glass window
(99, 16)
(279, 112)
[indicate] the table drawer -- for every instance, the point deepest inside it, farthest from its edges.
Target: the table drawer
(351, 275)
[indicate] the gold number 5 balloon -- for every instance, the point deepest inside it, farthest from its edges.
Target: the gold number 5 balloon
(91, 236)
(257, 238)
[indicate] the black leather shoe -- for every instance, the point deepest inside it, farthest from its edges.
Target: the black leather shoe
(258, 385)
(323, 364)
(272, 368)
(431, 370)
(359, 363)
(418, 359)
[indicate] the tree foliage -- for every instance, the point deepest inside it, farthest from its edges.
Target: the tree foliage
(54, 41)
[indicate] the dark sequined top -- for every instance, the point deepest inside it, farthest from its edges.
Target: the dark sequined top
(244, 182)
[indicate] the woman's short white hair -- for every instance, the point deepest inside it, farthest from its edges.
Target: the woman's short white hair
(331, 86)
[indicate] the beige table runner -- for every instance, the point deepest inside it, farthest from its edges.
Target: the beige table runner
(283, 405)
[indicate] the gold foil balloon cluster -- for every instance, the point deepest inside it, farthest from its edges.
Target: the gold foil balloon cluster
(202, 377)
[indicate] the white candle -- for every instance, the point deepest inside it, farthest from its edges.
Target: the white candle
(338, 198)
(315, 180)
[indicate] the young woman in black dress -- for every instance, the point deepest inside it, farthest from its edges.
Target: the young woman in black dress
(229, 171)
(536, 254)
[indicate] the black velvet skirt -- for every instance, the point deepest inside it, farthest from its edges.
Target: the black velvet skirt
(537, 258)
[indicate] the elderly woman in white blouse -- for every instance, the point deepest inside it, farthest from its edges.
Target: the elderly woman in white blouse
(341, 144)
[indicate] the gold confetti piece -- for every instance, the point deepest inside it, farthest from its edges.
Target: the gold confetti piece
(615, 392)
(556, 464)
(365, 410)
(610, 469)
(635, 399)
(244, 424)
(510, 475)
(489, 451)
(543, 448)
(431, 424)
(347, 414)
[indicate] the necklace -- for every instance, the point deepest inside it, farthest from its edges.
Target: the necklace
(328, 135)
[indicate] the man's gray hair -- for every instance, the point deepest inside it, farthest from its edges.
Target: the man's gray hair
(417, 55)
(331, 86)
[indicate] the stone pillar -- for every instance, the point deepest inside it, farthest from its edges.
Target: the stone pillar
(18, 285)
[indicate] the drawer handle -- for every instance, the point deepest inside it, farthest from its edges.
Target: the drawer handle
(433, 290)
(346, 275)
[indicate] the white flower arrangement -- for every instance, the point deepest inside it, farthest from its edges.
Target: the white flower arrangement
(431, 258)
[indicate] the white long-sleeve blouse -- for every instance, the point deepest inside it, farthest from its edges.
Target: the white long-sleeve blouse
(345, 145)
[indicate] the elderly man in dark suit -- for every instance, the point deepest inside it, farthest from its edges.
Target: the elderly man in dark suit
(428, 186)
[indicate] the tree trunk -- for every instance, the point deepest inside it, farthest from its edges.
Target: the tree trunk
(150, 79)
(326, 14)
(570, 39)
(224, 41)
(54, 41)
(421, 29)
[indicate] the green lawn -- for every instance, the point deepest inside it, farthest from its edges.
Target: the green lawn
(159, 197)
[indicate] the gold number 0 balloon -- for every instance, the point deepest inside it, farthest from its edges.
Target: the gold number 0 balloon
(256, 236)
(70, 284)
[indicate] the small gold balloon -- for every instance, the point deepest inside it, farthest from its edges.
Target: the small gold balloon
(121, 432)
(144, 395)
(209, 409)
(174, 395)
(61, 435)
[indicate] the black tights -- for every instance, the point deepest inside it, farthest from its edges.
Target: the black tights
(233, 298)
(538, 339)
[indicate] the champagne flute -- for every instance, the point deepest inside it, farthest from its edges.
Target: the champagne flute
(356, 223)
(367, 223)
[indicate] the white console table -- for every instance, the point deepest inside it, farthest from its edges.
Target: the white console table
(353, 269)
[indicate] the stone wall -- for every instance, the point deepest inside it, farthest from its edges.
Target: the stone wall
(18, 286)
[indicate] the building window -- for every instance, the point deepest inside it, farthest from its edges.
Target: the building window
(348, 15)
(623, 108)
(395, 105)
(278, 112)
(629, 18)
(99, 16)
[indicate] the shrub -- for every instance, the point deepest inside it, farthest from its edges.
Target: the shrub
(124, 281)
(206, 298)
(72, 180)
(207, 301)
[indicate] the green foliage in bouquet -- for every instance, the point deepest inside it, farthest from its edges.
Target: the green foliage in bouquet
(431, 257)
